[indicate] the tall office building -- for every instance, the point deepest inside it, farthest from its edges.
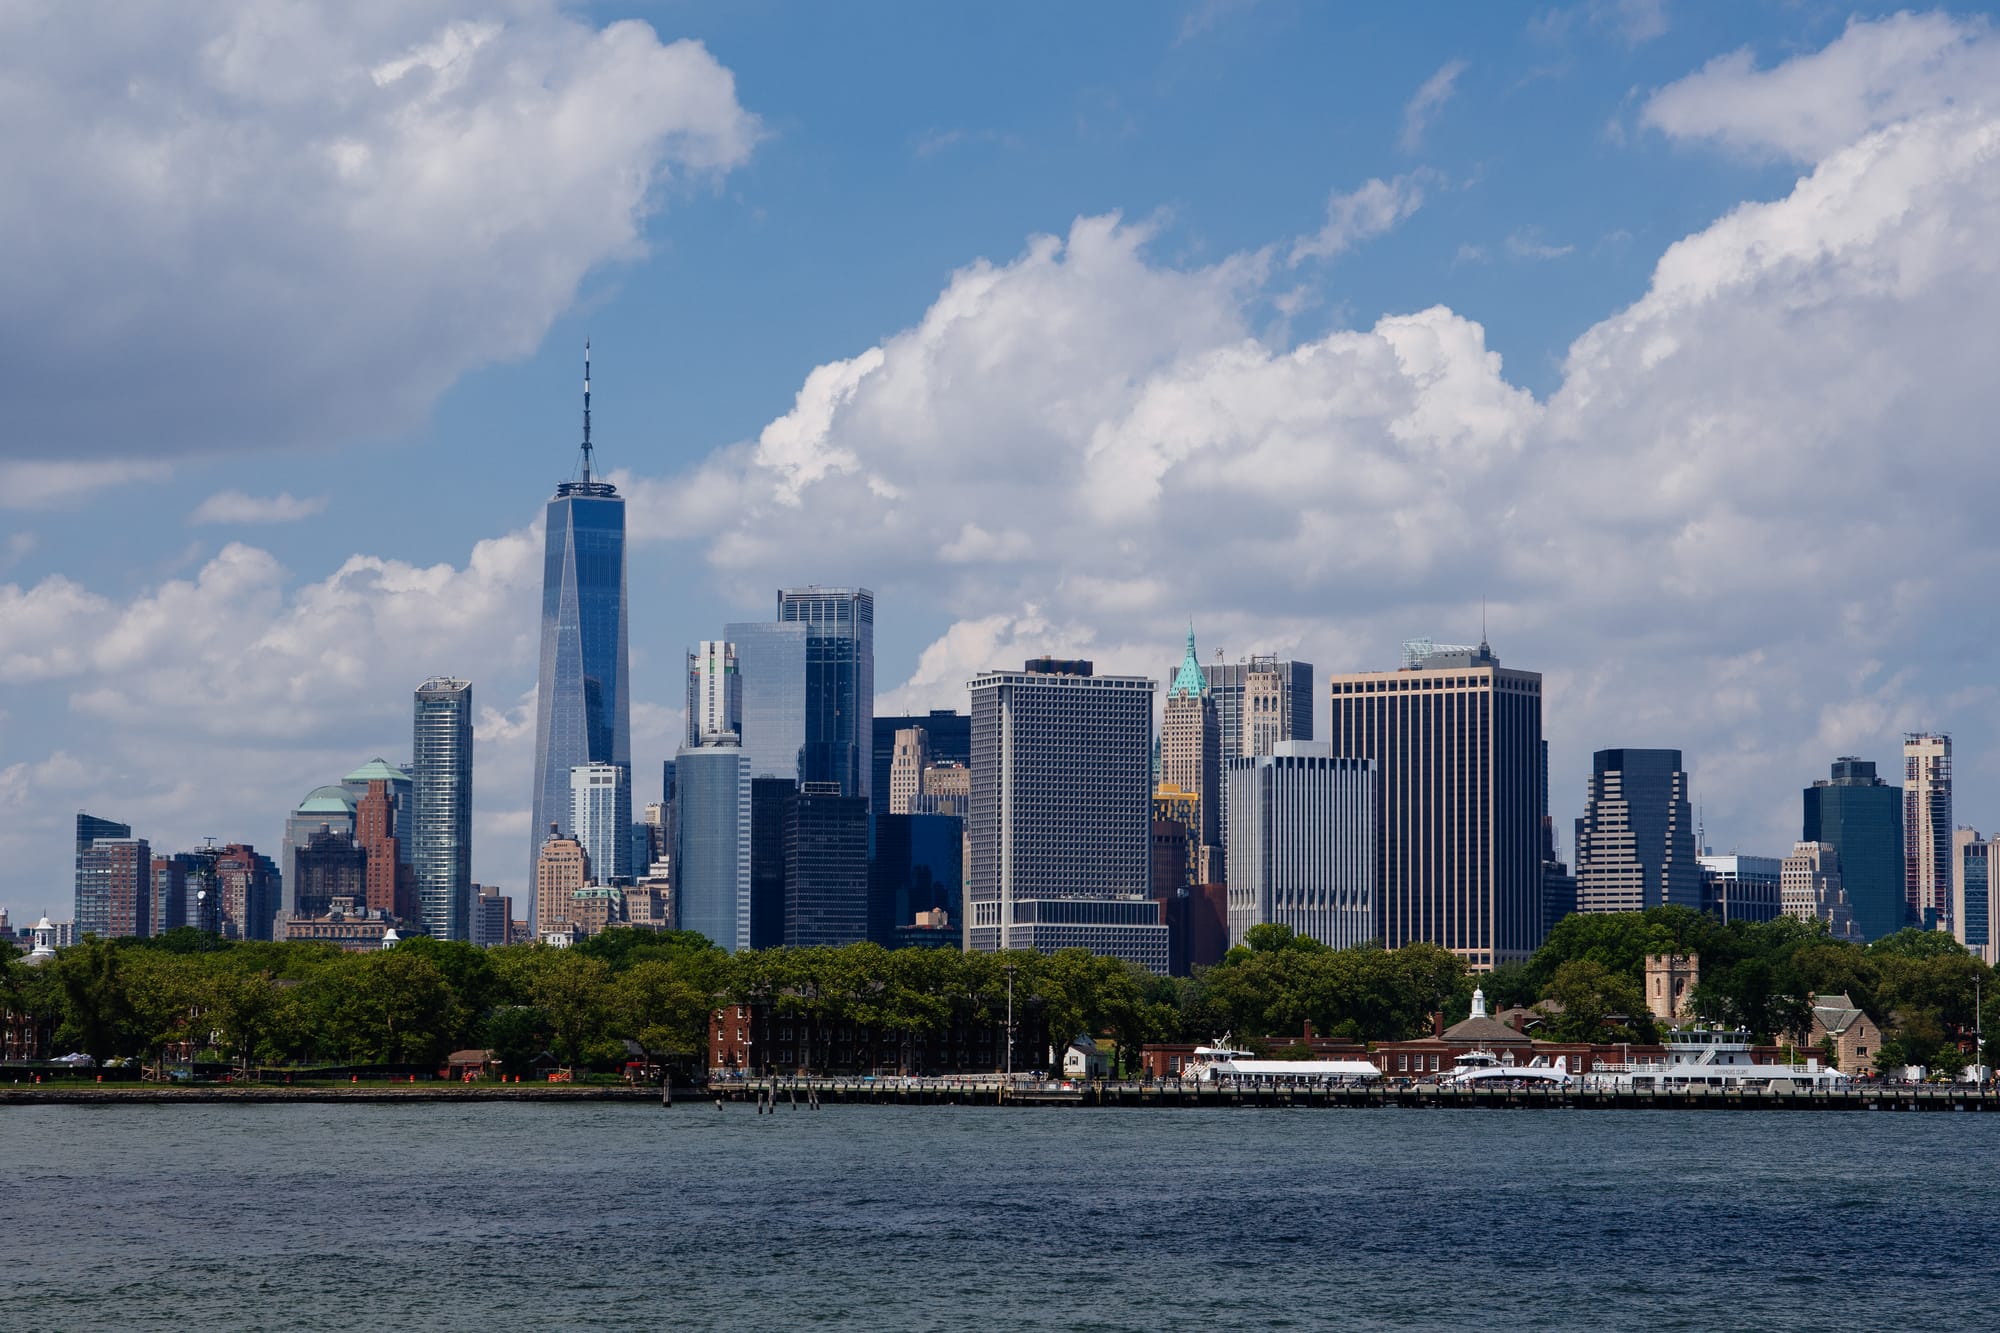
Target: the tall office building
(94, 912)
(402, 792)
(1191, 746)
(442, 835)
(1061, 813)
(561, 870)
(1303, 837)
(172, 875)
(390, 882)
(492, 917)
(1810, 883)
(1861, 816)
(114, 887)
(770, 808)
(582, 709)
(1742, 888)
(1635, 845)
(918, 870)
(335, 806)
(1228, 688)
(712, 854)
(331, 865)
(826, 867)
(1458, 742)
(906, 769)
(771, 669)
(1927, 829)
(1975, 910)
(715, 691)
(840, 682)
(248, 888)
(947, 736)
(601, 819)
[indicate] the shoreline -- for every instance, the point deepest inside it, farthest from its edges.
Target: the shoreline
(778, 1094)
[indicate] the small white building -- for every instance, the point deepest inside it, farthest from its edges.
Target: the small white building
(1085, 1059)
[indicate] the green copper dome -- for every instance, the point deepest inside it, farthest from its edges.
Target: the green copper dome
(327, 801)
(376, 770)
(1189, 680)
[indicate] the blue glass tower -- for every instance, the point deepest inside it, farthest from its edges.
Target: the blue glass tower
(582, 713)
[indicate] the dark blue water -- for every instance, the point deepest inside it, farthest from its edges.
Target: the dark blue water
(539, 1216)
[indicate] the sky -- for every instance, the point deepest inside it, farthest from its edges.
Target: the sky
(1661, 332)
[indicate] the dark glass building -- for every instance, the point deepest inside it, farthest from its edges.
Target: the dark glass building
(807, 683)
(1862, 817)
(826, 867)
(582, 713)
(1635, 844)
(919, 866)
(770, 807)
(441, 851)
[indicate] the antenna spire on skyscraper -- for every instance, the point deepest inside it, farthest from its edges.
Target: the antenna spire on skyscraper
(586, 408)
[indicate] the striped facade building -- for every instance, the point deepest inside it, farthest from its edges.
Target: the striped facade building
(1303, 834)
(1458, 742)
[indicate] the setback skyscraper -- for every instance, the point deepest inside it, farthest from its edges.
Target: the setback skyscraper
(1458, 740)
(441, 853)
(1635, 845)
(582, 713)
(1191, 755)
(1861, 817)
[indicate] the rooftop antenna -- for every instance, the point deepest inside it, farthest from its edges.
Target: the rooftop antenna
(1482, 621)
(586, 409)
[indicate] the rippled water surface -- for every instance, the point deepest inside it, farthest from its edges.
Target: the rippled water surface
(551, 1216)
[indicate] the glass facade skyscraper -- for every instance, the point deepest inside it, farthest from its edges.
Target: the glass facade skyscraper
(1635, 843)
(1861, 817)
(840, 683)
(771, 669)
(712, 844)
(601, 819)
(582, 710)
(442, 840)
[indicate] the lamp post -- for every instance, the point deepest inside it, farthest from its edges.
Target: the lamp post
(1011, 969)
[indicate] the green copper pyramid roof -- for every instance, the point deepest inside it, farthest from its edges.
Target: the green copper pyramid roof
(377, 770)
(1189, 680)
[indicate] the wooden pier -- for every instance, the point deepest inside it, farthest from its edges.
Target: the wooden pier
(1190, 1095)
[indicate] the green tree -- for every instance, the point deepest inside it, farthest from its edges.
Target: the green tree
(1590, 994)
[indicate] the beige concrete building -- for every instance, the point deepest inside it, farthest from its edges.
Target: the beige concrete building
(561, 870)
(948, 780)
(907, 762)
(1927, 828)
(1809, 887)
(1267, 706)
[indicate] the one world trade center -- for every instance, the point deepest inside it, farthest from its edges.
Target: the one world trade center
(582, 715)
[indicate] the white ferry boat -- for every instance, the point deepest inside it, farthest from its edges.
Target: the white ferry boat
(1475, 1068)
(1221, 1062)
(1710, 1058)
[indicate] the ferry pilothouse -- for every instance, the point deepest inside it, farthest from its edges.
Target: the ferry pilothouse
(1715, 1059)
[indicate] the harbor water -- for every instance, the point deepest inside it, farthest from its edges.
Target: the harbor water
(475, 1216)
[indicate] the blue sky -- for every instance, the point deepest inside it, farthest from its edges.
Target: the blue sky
(1037, 453)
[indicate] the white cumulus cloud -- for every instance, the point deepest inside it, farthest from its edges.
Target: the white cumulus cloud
(236, 507)
(292, 224)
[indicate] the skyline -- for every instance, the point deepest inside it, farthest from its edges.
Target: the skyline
(1712, 524)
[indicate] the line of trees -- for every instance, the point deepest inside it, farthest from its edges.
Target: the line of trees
(311, 1004)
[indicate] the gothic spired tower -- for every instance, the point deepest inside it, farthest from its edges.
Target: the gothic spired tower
(582, 714)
